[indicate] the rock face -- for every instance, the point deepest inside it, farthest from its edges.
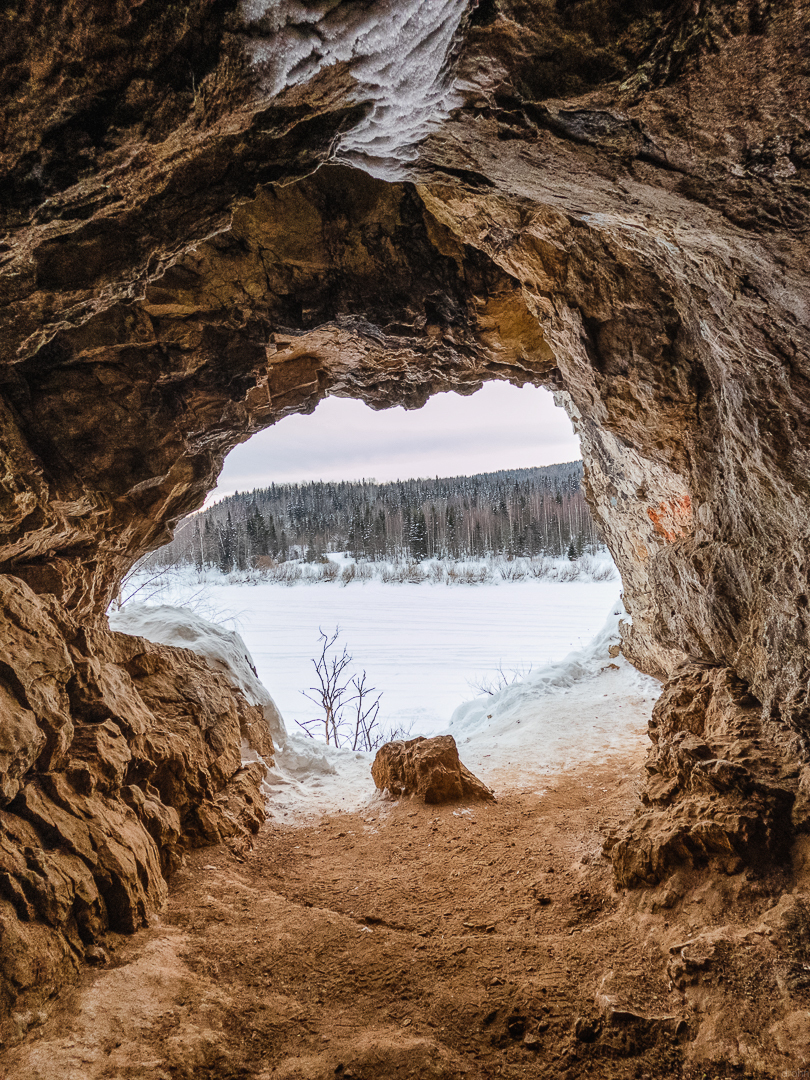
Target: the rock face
(428, 769)
(217, 214)
(116, 754)
(721, 787)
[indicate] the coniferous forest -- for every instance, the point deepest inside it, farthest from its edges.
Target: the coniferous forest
(511, 513)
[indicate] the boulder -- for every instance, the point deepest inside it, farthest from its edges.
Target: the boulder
(427, 768)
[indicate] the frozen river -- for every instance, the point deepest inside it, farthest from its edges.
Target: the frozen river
(424, 646)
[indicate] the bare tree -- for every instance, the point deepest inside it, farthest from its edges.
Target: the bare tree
(330, 693)
(135, 581)
(350, 710)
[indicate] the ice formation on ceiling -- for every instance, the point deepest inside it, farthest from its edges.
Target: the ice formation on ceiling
(399, 52)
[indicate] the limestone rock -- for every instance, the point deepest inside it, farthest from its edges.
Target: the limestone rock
(428, 769)
(596, 211)
(115, 754)
(612, 201)
(720, 783)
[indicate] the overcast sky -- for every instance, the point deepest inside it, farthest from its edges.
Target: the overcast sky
(500, 427)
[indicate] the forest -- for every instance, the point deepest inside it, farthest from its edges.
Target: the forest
(510, 513)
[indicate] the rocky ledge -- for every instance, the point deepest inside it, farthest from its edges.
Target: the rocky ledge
(116, 755)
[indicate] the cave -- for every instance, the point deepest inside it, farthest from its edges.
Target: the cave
(216, 214)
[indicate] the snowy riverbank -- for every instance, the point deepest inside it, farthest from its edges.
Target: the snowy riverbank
(426, 647)
(422, 646)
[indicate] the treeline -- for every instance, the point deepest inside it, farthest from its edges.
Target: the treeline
(514, 512)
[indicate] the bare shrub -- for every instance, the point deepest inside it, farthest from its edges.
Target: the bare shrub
(330, 571)
(493, 684)
(401, 573)
(350, 708)
(437, 573)
(365, 571)
(541, 568)
(287, 573)
(566, 571)
(469, 574)
(597, 569)
(516, 570)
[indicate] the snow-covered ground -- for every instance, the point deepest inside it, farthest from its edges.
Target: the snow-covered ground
(426, 647)
(420, 645)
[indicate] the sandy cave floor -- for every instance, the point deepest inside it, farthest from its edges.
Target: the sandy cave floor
(411, 942)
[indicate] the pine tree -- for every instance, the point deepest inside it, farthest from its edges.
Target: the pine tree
(418, 536)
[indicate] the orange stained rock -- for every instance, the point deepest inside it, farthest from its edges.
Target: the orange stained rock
(672, 519)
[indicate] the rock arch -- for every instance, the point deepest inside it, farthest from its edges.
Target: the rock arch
(609, 199)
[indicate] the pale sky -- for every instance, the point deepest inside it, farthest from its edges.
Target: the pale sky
(500, 427)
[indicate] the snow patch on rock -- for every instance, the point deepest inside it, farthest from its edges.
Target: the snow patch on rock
(308, 776)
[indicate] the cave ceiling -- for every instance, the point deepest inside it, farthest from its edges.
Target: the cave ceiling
(216, 214)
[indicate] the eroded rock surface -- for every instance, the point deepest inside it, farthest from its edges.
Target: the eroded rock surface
(721, 783)
(607, 198)
(117, 755)
(429, 769)
(610, 200)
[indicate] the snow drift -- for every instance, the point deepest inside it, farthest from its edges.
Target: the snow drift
(307, 775)
(584, 707)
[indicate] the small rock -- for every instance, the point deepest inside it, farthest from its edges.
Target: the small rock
(97, 956)
(586, 1030)
(531, 1040)
(428, 768)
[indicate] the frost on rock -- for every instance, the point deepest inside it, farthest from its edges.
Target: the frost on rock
(399, 54)
(224, 650)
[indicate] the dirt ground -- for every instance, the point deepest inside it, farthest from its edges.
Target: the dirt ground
(409, 941)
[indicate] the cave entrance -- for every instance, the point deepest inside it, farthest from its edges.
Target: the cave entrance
(453, 568)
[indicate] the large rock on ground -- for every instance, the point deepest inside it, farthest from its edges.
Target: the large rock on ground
(427, 768)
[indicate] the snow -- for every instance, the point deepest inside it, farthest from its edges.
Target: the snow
(398, 51)
(224, 649)
(419, 645)
(426, 647)
(307, 773)
(582, 708)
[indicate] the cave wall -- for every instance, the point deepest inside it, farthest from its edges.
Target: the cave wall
(216, 214)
